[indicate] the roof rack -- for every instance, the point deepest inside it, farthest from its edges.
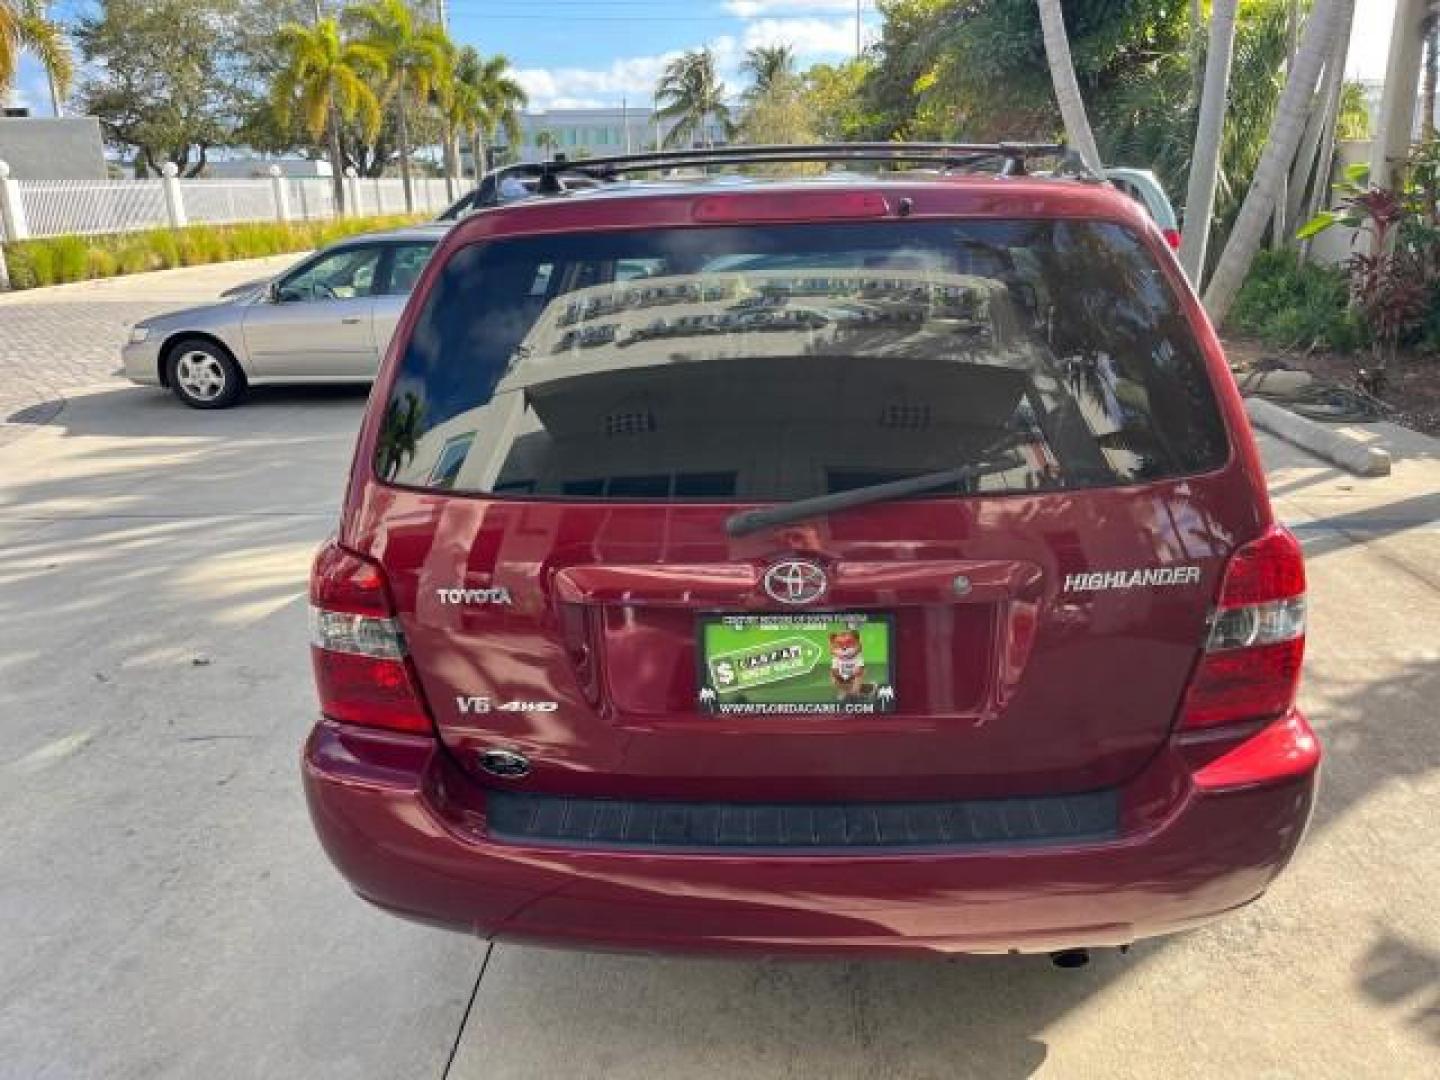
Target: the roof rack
(1012, 156)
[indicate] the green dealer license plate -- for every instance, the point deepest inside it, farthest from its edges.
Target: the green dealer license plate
(775, 664)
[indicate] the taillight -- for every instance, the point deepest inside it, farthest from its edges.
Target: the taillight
(1172, 237)
(361, 666)
(1251, 666)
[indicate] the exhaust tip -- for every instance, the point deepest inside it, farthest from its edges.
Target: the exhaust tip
(1070, 959)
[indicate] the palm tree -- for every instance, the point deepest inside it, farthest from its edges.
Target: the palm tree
(546, 140)
(417, 62)
(1209, 132)
(325, 82)
(1067, 89)
(1285, 131)
(25, 28)
(693, 93)
(768, 66)
(498, 99)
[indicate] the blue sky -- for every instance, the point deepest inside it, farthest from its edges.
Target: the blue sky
(594, 52)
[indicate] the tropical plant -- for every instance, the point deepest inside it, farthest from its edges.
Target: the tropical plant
(835, 98)
(417, 62)
(783, 113)
(26, 28)
(546, 140)
(493, 99)
(1395, 274)
(769, 67)
(1067, 88)
(325, 81)
(692, 94)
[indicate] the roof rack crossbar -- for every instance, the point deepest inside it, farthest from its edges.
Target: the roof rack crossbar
(1012, 156)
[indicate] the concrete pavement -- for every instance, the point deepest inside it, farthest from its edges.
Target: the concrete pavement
(168, 913)
(53, 341)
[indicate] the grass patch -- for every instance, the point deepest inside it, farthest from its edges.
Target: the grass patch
(1290, 305)
(62, 259)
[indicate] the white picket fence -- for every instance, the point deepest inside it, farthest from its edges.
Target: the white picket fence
(40, 208)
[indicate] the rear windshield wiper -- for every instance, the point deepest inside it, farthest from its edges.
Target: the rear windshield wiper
(749, 521)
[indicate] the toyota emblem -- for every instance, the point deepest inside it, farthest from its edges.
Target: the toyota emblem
(795, 581)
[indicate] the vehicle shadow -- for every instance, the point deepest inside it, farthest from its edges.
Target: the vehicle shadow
(1398, 973)
(980, 1017)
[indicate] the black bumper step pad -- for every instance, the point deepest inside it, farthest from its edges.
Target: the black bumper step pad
(788, 827)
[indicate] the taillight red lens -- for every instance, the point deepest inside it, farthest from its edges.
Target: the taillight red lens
(1172, 237)
(340, 580)
(369, 692)
(1251, 667)
(361, 670)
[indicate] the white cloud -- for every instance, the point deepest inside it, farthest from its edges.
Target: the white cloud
(808, 37)
(634, 77)
(559, 88)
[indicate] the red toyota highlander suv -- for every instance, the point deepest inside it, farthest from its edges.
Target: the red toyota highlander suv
(869, 562)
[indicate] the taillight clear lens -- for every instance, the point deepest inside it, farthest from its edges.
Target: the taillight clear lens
(1257, 624)
(339, 631)
(361, 670)
(1256, 644)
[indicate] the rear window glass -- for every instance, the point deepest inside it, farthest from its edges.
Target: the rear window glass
(782, 362)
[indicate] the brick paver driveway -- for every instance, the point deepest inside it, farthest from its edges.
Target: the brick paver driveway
(53, 341)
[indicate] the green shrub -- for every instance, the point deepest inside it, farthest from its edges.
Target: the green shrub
(71, 258)
(1292, 305)
(100, 263)
(36, 263)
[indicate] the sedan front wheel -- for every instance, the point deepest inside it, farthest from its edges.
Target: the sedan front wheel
(203, 375)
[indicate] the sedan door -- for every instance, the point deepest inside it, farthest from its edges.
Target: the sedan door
(402, 270)
(318, 321)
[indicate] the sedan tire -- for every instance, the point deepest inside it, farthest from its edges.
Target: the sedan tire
(203, 375)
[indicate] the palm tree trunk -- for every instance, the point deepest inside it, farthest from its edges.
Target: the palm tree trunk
(1317, 148)
(55, 103)
(1209, 140)
(1067, 89)
(477, 152)
(404, 133)
(1432, 77)
(1325, 162)
(1280, 227)
(1285, 132)
(452, 160)
(337, 163)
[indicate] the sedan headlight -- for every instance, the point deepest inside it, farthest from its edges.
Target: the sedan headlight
(138, 334)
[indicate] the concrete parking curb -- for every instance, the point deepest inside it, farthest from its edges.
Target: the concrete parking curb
(1334, 446)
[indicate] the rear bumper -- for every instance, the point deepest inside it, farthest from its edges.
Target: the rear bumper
(409, 834)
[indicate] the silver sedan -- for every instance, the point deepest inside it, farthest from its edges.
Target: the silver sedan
(327, 319)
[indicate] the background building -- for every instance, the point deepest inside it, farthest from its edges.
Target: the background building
(39, 148)
(598, 133)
